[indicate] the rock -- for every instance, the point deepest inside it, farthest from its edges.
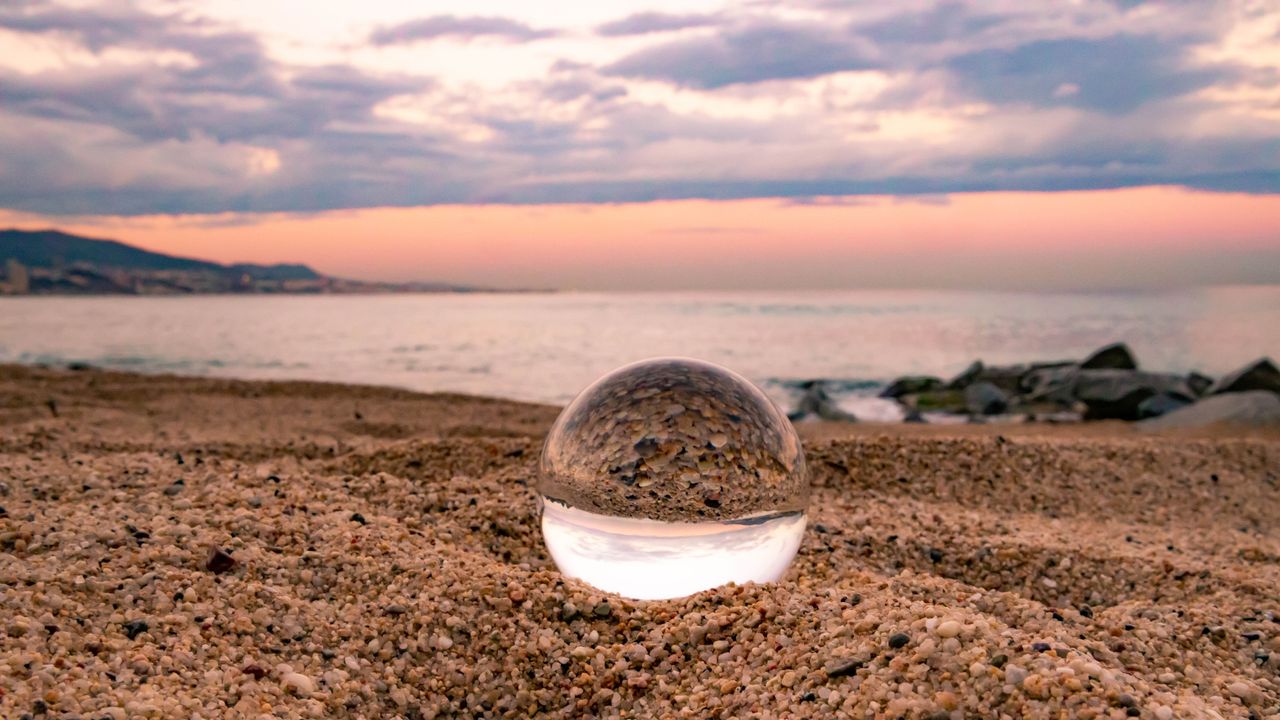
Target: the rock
(951, 401)
(984, 398)
(219, 561)
(134, 628)
(1199, 383)
(948, 629)
(1160, 404)
(1007, 377)
(1116, 394)
(898, 640)
(846, 668)
(910, 385)
(966, 376)
(1049, 382)
(816, 402)
(1255, 408)
(297, 684)
(1261, 374)
(1244, 691)
(1115, 356)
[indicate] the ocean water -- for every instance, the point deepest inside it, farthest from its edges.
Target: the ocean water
(651, 560)
(546, 347)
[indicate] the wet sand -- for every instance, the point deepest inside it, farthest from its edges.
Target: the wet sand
(174, 548)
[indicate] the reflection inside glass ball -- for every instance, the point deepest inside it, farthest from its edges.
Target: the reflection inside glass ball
(671, 476)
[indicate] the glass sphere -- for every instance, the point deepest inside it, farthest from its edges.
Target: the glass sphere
(671, 476)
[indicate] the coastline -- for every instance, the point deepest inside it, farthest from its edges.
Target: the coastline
(385, 559)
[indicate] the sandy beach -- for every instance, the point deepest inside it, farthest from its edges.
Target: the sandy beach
(196, 548)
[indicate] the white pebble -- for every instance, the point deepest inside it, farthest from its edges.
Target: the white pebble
(949, 629)
(298, 684)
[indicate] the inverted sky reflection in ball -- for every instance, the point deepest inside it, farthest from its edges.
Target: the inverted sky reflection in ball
(671, 476)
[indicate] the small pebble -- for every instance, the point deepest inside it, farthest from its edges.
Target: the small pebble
(297, 684)
(949, 629)
(219, 561)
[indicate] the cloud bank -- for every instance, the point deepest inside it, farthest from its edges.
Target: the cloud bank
(182, 113)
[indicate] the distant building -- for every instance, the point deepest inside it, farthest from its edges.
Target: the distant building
(18, 280)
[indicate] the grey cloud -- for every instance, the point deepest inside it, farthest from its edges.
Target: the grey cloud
(466, 28)
(96, 28)
(654, 22)
(1112, 75)
(233, 92)
(751, 53)
(182, 135)
(942, 22)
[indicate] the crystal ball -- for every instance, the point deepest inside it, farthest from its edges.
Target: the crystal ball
(671, 476)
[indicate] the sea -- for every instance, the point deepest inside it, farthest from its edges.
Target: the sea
(545, 347)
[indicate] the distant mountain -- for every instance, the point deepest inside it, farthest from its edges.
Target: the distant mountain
(52, 248)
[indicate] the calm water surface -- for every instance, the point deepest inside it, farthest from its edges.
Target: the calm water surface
(547, 347)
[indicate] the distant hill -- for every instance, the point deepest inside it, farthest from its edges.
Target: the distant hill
(52, 248)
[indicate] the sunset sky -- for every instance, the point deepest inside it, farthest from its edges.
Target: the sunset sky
(675, 144)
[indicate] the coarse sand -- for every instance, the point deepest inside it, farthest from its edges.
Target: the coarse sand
(196, 548)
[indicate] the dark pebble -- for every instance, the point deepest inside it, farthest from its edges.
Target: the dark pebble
(219, 561)
(898, 640)
(1133, 712)
(1252, 636)
(1126, 701)
(1041, 647)
(1086, 611)
(935, 555)
(846, 668)
(999, 660)
(173, 489)
(134, 628)
(257, 672)
(808, 697)
(3, 512)
(395, 610)
(602, 610)
(358, 518)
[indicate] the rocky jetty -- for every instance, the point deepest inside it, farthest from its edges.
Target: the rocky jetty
(818, 403)
(1108, 384)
